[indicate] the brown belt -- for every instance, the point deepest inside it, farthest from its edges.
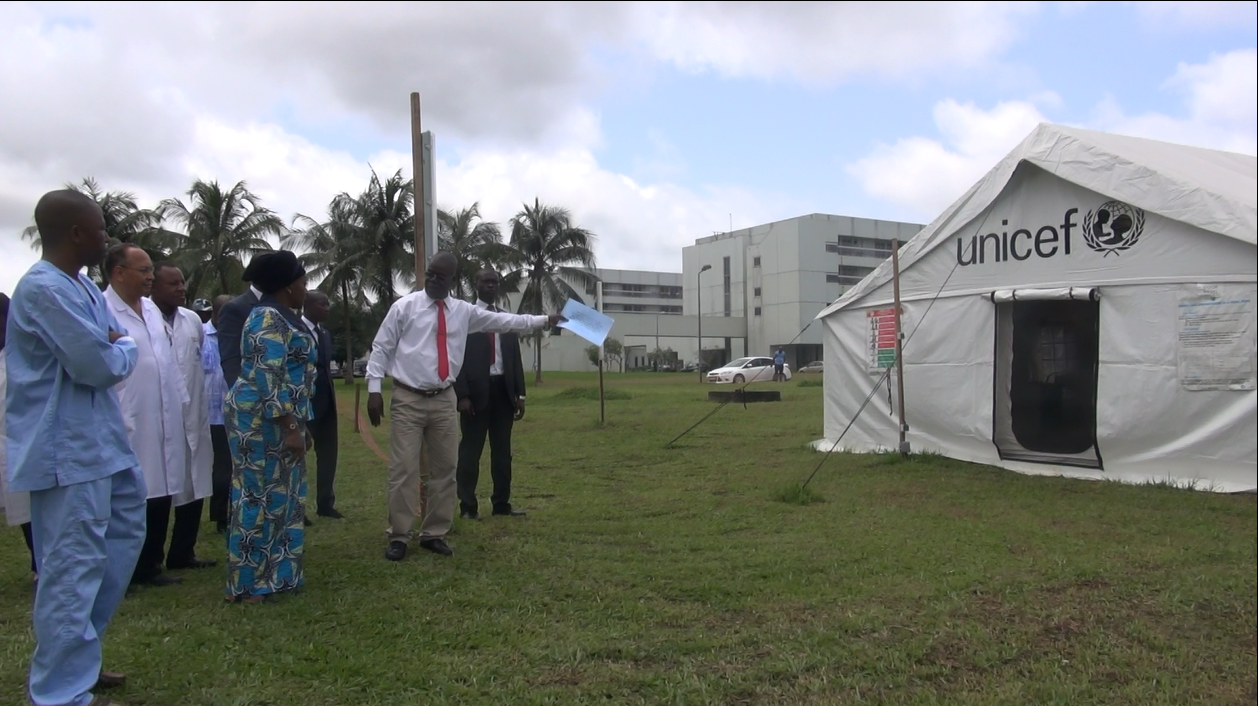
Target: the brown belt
(417, 391)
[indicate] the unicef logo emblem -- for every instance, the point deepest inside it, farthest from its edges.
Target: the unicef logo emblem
(1113, 228)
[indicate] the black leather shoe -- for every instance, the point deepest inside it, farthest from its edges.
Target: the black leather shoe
(396, 551)
(110, 680)
(469, 514)
(162, 580)
(331, 513)
(510, 512)
(437, 546)
(194, 564)
(306, 522)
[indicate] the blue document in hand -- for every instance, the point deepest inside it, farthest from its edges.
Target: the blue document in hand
(585, 322)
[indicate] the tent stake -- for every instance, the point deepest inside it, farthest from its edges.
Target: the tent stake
(899, 346)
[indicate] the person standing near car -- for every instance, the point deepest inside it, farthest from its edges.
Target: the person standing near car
(779, 363)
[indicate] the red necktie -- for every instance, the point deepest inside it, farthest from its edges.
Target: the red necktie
(443, 356)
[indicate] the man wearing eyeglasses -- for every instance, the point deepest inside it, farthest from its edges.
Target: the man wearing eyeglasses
(421, 346)
(152, 401)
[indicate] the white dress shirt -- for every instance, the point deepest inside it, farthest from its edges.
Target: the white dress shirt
(406, 344)
(495, 368)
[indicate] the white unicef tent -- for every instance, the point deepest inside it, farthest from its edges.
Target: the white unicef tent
(1086, 309)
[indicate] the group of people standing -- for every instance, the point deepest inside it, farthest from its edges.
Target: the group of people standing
(118, 412)
(124, 406)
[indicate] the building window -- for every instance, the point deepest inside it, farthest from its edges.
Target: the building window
(757, 311)
(755, 261)
(728, 302)
(881, 250)
(757, 292)
(846, 280)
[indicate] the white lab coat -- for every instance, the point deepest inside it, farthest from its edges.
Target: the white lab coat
(189, 338)
(153, 399)
(16, 506)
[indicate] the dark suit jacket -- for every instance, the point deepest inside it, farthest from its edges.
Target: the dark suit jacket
(473, 379)
(324, 400)
(231, 325)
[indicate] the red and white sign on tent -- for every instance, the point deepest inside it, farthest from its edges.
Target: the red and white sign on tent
(881, 338)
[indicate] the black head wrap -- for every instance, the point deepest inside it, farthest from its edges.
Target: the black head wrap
(275, 272)
(257, 263)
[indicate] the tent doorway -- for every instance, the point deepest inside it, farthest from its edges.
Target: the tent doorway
(1046, 381)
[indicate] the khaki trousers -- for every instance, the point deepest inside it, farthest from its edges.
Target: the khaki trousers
(429, 424)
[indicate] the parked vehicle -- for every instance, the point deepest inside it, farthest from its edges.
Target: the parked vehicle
(747, 370)
(813, 367)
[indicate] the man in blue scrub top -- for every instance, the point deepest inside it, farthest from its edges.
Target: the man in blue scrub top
(68, 447)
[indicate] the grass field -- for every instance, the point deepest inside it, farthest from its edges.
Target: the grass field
(648, 575)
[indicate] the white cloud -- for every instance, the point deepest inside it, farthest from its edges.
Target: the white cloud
(639, 226)
(825, 42)
(1198, 14)
(1221, 101)
(924, 175)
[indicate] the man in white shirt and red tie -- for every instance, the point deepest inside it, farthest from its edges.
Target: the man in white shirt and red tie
(421, 345)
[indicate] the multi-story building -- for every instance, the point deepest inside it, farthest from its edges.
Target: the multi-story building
(778, 276)
(640, 292)
(761, 291)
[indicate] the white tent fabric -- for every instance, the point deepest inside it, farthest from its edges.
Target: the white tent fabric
(1147, 250)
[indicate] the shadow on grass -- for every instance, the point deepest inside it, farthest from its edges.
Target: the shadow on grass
(588, 393)
(797, 494)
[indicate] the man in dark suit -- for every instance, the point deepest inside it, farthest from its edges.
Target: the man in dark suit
(323, 426)
(490, 388)
(231, 322)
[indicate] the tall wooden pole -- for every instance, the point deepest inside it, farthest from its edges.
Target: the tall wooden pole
(421, 259)
(899, 346)
(602, 404)
(417, 168)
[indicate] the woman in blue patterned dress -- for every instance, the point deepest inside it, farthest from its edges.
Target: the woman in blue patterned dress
(266, 413)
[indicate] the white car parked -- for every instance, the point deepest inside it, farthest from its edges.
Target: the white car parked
(747, 370)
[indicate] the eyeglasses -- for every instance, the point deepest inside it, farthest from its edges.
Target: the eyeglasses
(439, 277)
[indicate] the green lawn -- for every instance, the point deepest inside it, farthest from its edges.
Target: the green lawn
(646, 575)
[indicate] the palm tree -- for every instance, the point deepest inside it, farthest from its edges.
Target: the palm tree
(125, 222)
(333, 251)
(221, 228)
(547, 252)
(387, 223)
(475, 245)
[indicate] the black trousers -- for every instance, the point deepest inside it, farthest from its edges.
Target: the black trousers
(221, 475)
(495, 422)
(153, 553)
(183, 540)
(326, 447)
(29, 535)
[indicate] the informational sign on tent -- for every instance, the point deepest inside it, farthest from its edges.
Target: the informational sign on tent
(881, 338)
(1216, 340)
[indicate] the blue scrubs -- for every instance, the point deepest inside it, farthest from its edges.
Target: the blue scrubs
(68, 447)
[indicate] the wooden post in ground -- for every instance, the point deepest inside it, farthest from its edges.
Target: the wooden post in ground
(421, 259)
(602, 407)
(417, 168)
(899, 346)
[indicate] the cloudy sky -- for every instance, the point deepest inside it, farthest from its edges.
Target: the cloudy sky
(655, 124)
